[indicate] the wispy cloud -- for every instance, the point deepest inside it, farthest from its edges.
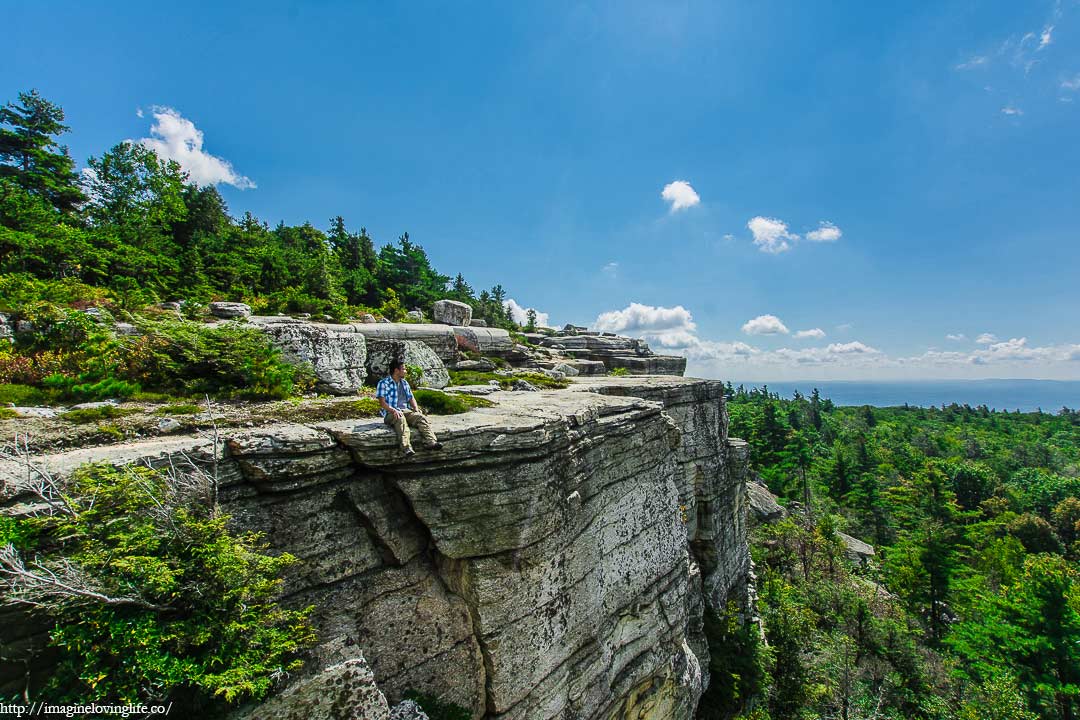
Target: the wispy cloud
(680, 195)
(1045, 38)
(986, 339)
(977, 61)
(1011, 110)
(813, 333)
(1071, 84)
(958, 337)
(174, 137)
(610, 270)
(765, 325)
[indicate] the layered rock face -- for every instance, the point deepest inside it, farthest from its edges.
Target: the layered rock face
(553, 561)
(617, 352)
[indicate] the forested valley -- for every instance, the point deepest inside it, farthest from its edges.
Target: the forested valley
(970, 607)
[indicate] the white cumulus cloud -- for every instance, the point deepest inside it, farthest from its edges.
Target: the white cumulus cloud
(174, 137)
(520, 314)
(645, 319)
(680, 195)
(826, 232)
(771, 235)
(986, 338)
(765, 325)
(815, 333)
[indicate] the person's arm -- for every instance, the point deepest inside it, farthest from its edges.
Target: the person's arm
(412, 398)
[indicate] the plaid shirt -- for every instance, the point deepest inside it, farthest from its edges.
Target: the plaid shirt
(388, 389)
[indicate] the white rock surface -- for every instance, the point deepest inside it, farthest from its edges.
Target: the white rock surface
(452, 312)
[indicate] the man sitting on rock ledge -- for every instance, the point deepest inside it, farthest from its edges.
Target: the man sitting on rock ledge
(399, 409)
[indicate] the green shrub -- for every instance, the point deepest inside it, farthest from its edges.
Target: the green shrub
(619, 372)
(89, 415)
(106, 389)
(7, 413)
(434, 402)
(414, 374)
(191, 608)
(228, 359)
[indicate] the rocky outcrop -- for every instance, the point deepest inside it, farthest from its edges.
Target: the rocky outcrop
(229, 310)
(440, 338)
(554, 560)
(337, 355)
(452, 312)
(614, 352)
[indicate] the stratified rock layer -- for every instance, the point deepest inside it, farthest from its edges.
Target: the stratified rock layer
(553, 561)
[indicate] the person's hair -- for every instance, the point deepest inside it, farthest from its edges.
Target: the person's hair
(395, 364)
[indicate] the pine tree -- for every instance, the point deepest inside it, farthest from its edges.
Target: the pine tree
(30, 155)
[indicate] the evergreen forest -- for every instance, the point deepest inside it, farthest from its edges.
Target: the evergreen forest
(970, 607)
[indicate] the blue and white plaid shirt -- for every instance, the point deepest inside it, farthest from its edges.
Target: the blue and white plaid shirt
(388, 389)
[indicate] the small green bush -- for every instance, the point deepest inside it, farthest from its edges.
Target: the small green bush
(7, 413)
(192, 608)
(619, 372)
(434, 402)
(89, 415)
(414, 374)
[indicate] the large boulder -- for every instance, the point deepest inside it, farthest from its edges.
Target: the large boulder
(857, 551)
(439, 338)
(763, 505)
(452, 312)
(227, 310)
(338, 357)
(382, 352)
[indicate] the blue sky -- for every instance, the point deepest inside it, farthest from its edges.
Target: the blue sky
(933, 149)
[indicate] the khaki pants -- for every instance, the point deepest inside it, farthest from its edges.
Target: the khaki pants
(415, 419)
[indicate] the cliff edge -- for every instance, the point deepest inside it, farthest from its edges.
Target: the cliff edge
(555, 560)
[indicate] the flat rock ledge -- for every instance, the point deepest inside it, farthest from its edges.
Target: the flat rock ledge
(554, 560)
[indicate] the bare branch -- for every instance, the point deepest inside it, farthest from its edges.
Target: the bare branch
(51, 587)
(39, 481)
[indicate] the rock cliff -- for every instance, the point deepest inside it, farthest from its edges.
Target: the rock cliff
(553, 561)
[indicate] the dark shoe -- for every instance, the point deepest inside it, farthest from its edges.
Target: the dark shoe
(409, 452)
(435, 446)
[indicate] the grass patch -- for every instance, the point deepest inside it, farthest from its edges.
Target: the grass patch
(180, 409)
(364, 407)
(434, 402)
(23, 394)
(472, 377)
(89, 415)
(7, 413)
